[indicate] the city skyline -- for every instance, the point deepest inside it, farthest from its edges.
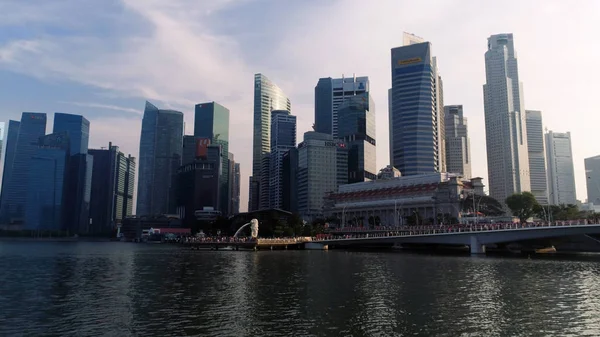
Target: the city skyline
(111, 98)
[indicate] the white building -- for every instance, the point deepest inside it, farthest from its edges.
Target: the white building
(319, 165)
(592, 179)
(458, 145)
(505, 124)
(561, 178)
(537, 156)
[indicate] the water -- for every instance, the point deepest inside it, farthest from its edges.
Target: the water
(121, 289)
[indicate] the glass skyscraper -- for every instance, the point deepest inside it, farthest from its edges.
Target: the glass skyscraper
(417, 144)
(283, 138)
(356, 126)
(537, 156)
(14, 189)
(505, 123)
(46, 187)
(458, 145)
(211, 120)
(161, 145)
(267, 97)
(330, 93)
(561, 176)
(9, 158)
(78, 183)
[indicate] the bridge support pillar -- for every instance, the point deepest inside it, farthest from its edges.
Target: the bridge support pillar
(315, 246)
(476, 247)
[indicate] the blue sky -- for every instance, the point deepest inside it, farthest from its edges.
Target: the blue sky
(103, 59)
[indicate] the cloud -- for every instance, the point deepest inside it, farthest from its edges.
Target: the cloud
(104, 106)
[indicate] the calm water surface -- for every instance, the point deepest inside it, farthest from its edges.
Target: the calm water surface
(121, 289)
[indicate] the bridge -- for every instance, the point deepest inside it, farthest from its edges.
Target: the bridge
(476, 237)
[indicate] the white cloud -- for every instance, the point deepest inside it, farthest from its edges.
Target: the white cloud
(105, 106)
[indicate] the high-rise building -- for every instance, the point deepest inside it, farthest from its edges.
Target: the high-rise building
(79, 177)
(537, 156)
(283, 138)
(45, 207)
(233, 190)
(505, 123)
(236, 188)
(458, 144)
(317, 172)
(330, 93)
(267, 97)
(22, 144)
(356, 126)
(417, 142)
(290, 181)
(592, 179)
(1, 141)
(113, 182)
(198, 183)
(161, 146)
(189, 149)
(211, 121)
(561, 177)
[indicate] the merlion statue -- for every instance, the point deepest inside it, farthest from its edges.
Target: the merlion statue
(254, 228)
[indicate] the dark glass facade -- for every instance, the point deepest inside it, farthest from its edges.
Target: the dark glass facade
(113, 181)
(45, 197)
(198, 186)
(283, 138)
(161, 145)
(356, 126)
(324, 105)
(290, 181)
(9, 158)
(14, 196)
(78, 129)
(189, 149)
(416, 113)
(211, 120)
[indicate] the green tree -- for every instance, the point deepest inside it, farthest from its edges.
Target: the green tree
(523, 205)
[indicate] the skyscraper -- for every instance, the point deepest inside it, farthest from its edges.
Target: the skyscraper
(283, 138)
(317, 172)
(561, 177)
(458, 144)
(330, 93)
(537, 156)
(161, 145)
(267, 97)
(20, 148)
(45, 207)
(417, 144)
(79, 171)
(211, 121)
(113, 181)
(232, 198)
(505, 123)
(236, 188)
(592, 179)
(1, 142)
(356, 126)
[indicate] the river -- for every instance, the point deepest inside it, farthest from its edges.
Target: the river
(125, 289)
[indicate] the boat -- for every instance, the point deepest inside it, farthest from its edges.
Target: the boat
(547, 250)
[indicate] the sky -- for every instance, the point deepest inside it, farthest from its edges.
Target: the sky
(103, 59)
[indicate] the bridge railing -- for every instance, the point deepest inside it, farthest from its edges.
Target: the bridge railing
(452, 229)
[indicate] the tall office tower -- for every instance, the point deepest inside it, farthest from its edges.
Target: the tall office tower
(113, 181)
(211, 121)
(198, 183)
(236, 188)
(161, 146)
(290, 181)
(283, 138)
(267, 97)
(46, 208)
(231, 188)
(330, 93)
(79, 177)
(592, 179)
(458, 144)
(356, 126)
(1, 140)
(505, 123)
(417, 142)
(189, 149)
(317, 172)
(19, 150)
(561, 177)
(537, 156)
(11, 147)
